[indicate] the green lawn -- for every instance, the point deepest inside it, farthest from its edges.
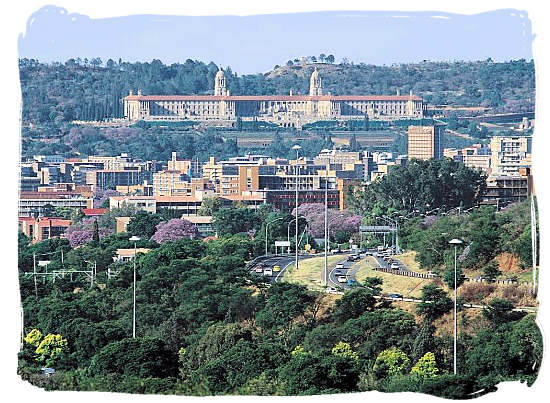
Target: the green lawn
(392, 283)
(310, 272)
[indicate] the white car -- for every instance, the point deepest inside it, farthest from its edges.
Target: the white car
(268, 271)
(339, 266)
(342, 279)
(395, 266)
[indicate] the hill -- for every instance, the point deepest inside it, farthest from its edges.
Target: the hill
(60, 92)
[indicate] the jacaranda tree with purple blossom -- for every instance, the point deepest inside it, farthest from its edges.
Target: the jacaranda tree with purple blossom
(174, 230)
(343, 223)
(82, 232)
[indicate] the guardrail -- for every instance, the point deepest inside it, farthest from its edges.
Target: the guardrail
(405, 273)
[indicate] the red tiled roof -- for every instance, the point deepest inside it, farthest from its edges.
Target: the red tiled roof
(54, 222)
(94, 211)
(272, 98)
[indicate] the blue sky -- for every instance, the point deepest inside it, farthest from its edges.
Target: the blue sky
(253, 44)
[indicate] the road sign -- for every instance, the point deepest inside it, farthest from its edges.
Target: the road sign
(376, 228)
(282, 243)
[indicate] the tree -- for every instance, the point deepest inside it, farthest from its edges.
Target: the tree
(143, 357)
(330, 59)
(144, 224)
(391, 362)
(342, 349)
(449, 277)
(499, 311)
(174, 230)
(230, 221)
(322, 57)
(353, 304)
(210, 205)
(50, 349)
(426, 367)
(491, 271)
(435, 303)
(95, 235)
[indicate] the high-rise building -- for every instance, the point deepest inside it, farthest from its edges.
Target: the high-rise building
(425, 142)
(509, 154)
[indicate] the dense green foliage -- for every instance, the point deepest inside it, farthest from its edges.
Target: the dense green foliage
(420, 186)
(76, 89)
(485, 233)
(205, 326)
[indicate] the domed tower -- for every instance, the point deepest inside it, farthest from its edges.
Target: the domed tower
(315, 85)
(220, 87)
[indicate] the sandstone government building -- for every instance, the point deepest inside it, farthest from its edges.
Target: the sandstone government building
(283, 110)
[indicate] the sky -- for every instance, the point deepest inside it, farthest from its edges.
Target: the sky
(254, 44)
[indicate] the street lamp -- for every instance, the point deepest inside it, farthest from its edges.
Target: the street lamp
(134, 239)
(455, 242)
(266, 225)
(297, 148)
(288, 230)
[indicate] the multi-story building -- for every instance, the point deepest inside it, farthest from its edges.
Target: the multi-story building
(42, 228)
(476, 157)
(34, 203)
(111, 178)
(425, 142)
(504, 189)
(509, 154)
(284, 110)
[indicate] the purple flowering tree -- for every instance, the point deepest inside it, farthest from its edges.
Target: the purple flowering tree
(83, 232)
(340, 221)
(174, 230)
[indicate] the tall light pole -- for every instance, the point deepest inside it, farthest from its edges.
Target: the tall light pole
(288, 231)
(326, 226)
(134, 239)
(297, 148)
(266, 225)
(455, 242)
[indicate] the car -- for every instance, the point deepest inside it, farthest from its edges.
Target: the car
(331, 290)
(396, 296)
(351, 282)
(337, 272)
(395, 266)
(268, 271)
(342, 279)
(375, 254)
(380, 248)
(259, 269)
(340, 266)
(276, 268)
(335, 251)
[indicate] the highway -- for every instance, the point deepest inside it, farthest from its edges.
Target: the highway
(349, 269)
(282, 261)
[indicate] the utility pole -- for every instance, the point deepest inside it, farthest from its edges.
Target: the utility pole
(534, 243)
(455, 242)
(34, 270)
(326, 226)
(297, 148)
(134, 239)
